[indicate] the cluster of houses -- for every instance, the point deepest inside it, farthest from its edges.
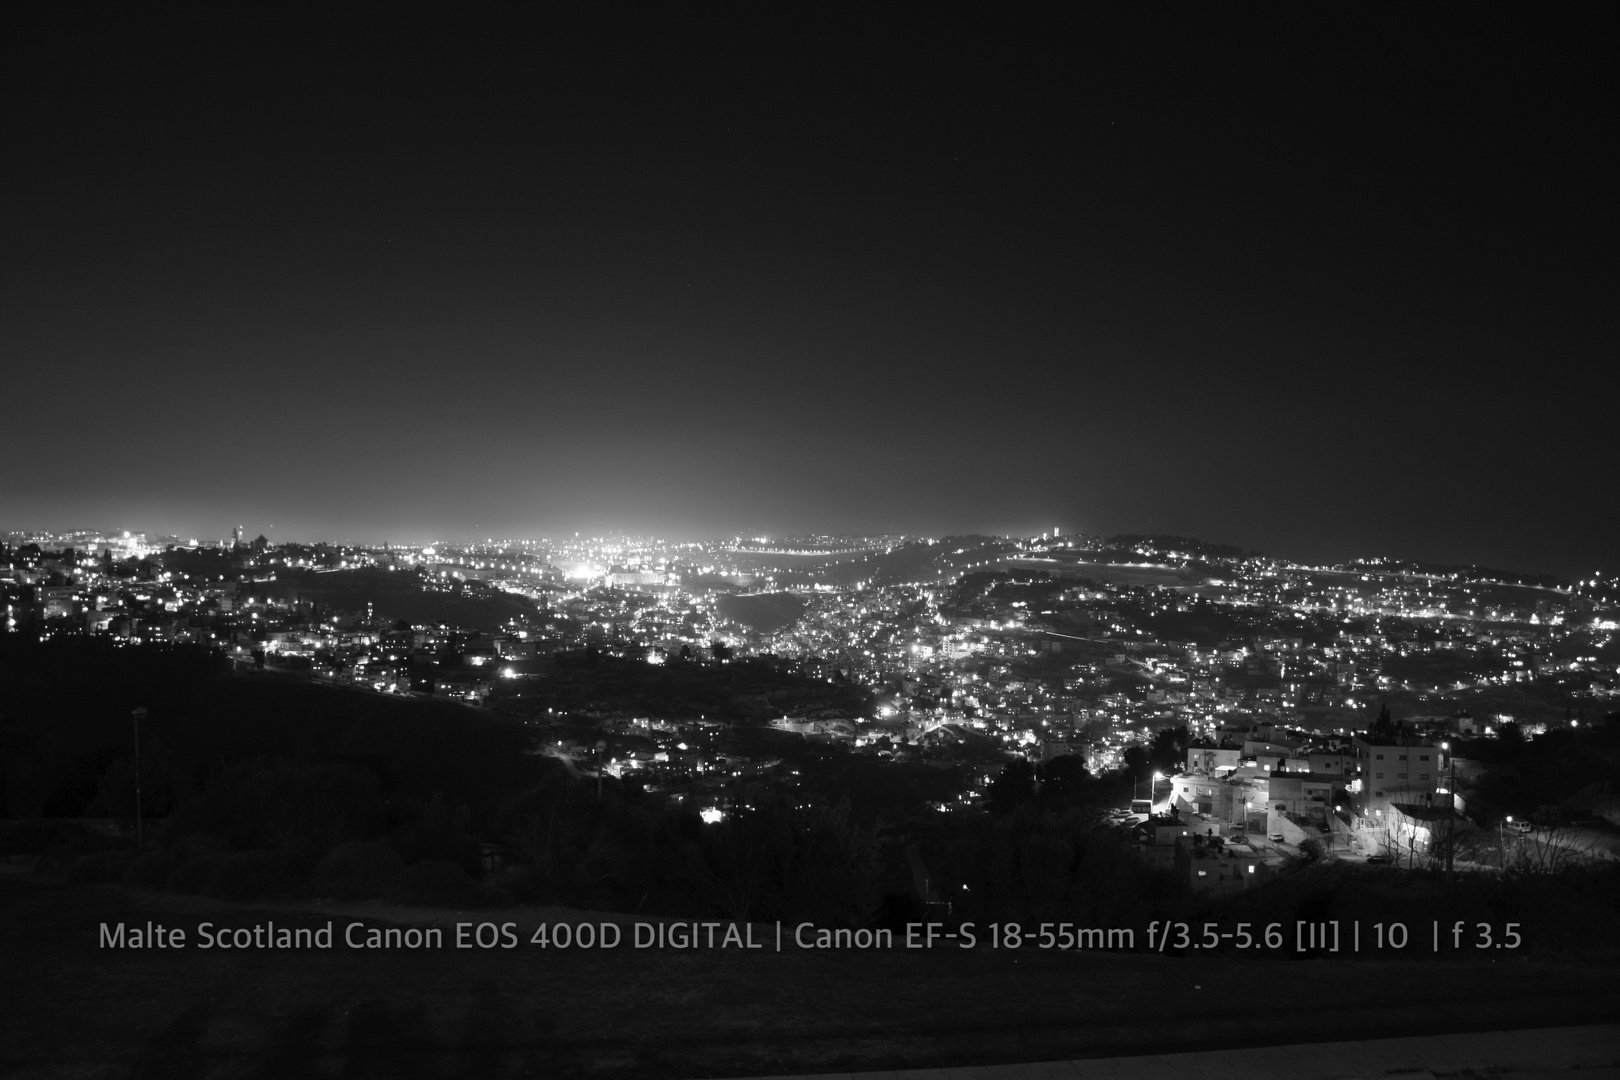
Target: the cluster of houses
(1270, 788)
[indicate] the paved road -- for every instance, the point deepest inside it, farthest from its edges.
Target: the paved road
(1567, 1053)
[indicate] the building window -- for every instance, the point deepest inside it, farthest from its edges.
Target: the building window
(1400, 776)
(1380, 757)
(1378, 776)
(1425, 757)
(1423, 776)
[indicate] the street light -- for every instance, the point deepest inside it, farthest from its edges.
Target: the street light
(138, 715)
(1451, 810)
(601, 748)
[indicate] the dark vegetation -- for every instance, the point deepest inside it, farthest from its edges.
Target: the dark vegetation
(264, 785)
(1200, 622)
(1580, 765)
(267, 785)
(1126, 542)
(1443, 667)
(900, 565)
(764, 612)
(1034, 865)
(1491, 574)
(399, 595)
(744, 691)
(1573, 912)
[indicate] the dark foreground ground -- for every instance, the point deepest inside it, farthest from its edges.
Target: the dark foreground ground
(69, 1008)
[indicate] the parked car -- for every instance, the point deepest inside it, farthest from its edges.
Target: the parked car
(1377, 860)
(1522, 826)
(1276, 838)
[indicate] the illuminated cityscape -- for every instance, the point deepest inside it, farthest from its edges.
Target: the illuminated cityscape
(611, 542)
(962, 652)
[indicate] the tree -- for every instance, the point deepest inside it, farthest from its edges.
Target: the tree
(1013, 786)
(1063, 780)
(1168, 751)
(824, 867)
(15, 741)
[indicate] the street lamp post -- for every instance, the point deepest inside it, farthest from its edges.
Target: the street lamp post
(138, 715)
(601, 748)
(1451, 810)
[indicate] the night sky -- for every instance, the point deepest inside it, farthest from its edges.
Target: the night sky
(1324, 288)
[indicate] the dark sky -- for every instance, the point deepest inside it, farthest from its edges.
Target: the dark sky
(1325, 286)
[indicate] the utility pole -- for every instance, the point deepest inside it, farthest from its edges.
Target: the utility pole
(139, 714)
(1451, 810)
(601, 748)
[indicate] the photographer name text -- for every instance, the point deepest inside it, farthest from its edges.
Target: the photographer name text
(1178, 938)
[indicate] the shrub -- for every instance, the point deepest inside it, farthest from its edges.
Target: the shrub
(196, 844)
(276, 803)
(103, 866)
(358, 870)
(237, 875)
(252, 875)
(195, 873)
(436, 884)
(519, 884)
(57, 843)
(425, 842)
(151, 869)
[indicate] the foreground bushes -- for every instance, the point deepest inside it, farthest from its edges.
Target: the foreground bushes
(101, 868)
(358, 870)
(277, 803)
(55, 842)
(442, 884)
(272, 828)
(1576, 910)
(768, 859)
(1032, 866)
